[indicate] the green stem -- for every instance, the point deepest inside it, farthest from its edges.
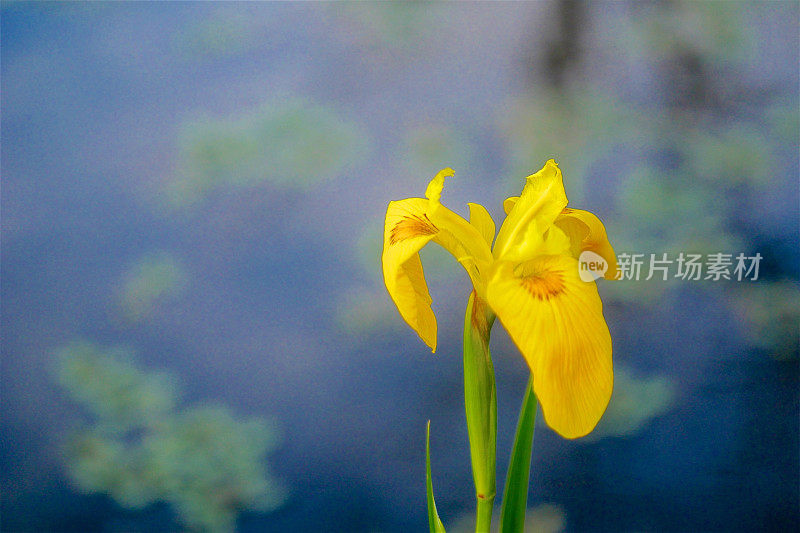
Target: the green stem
(483, 519)
(480, 402)
(515, 494)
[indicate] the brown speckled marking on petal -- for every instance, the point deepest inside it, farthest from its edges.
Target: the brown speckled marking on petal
(544, 285)
(412, 226)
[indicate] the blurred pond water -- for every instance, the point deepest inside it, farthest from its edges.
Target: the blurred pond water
(192, 201)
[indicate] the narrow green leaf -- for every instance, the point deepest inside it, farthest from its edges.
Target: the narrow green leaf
(434, 523)
(515, 495)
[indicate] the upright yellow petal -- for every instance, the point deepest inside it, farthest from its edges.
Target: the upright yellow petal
(465, 241)
(480, 218)
(434, 190)
(556, 320)
(540, 202)
(586, 232)
(509, 203)
(406, 231)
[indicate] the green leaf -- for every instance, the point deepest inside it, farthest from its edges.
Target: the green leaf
(515, 495)
(434, 522)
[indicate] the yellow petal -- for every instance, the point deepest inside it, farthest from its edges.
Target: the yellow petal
(556, 320)
(540, 202)
(509, 203)
(434, 190)
(480, 218)
(406, 231)
(410, 225)
(586, 232)
(465, 241)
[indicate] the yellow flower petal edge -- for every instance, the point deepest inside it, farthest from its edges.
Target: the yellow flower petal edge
(467, 242)
(586, 232)
(541, 201)
(509, 203)
(556, 321)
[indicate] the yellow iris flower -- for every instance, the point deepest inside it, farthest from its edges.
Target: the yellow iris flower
(530, 281)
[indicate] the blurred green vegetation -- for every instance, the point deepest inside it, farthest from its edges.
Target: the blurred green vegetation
(154, 278)
(783, 119)
(634, 402)
(770, 313)
(400, 25)
(363, 311)
(139, 446)
(428, 148)
(292, 144)
(719, 31)
(575, 126)
(545, 518)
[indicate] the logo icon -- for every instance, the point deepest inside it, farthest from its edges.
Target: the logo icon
(591, 266)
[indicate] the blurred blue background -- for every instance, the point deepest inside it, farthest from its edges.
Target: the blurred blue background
(195, 332)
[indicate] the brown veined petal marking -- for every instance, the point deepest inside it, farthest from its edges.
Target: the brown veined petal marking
(412, 225)
(543, 284)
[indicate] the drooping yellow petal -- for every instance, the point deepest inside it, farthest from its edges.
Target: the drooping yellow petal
(406, 231)
(480, 218)
(410, 225)
(540, 202)
(556, 320)
(586, 232)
